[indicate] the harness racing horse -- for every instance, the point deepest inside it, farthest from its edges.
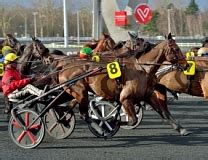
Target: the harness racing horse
(105, 43)
(33, 52)
(201, 63)
(12, 42)
(195, 85)
(136, 84)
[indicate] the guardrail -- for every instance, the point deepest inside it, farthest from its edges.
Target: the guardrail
(58, 42)
(189, 44)
(58, 45)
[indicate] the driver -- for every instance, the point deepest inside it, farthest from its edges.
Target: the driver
(14, 85)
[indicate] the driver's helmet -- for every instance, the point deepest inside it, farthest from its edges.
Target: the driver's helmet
(10, 57)
(6, 49)
(85, 52)
(202, 51)
(133, 35)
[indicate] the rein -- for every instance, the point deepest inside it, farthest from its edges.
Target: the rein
(156, 64)
(58, 71)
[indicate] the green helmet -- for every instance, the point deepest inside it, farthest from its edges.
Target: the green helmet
(86, 51)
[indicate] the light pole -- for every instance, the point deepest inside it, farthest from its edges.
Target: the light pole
(41, 17)
(169, 22)
(25, 26)
(78, 30)
(35, 23)
(65, 25)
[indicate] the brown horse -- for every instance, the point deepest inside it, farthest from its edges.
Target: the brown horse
(176, 81)
(195, 85)
(105, 43)
(136, 84)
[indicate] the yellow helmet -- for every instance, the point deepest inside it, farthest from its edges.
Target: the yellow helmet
(202, 51)
(96, 58)
(10, 57)
(5, 49)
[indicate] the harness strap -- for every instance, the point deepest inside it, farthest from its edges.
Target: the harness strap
(119, 82)
(189, 78)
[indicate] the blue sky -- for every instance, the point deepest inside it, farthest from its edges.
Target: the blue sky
(179, 3)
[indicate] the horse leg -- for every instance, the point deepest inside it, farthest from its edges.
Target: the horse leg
(80, 93)
(129, 108)
(158, 101)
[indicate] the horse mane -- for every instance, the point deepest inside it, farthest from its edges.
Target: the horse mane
(119, 44)
(146, 48)
(26, 56)
(57, 52)
(91, 45)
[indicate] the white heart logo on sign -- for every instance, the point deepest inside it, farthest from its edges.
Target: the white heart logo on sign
(143, 14)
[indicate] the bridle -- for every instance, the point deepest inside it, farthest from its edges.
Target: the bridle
(107, 44)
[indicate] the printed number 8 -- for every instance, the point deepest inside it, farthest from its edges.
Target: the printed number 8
(113, 68)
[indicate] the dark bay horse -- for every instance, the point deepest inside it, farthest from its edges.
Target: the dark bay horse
(33, 52)
(11, 41)
(137, 82)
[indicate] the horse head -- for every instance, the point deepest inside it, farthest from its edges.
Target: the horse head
(171, 51)
(105, 43)
(12, 42)
(39, 51)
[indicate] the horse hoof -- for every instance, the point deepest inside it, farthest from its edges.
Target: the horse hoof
(184, 132)
(132, 123)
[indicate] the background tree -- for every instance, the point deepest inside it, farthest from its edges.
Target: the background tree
(193, 18)
(151, 27)
(192, 8)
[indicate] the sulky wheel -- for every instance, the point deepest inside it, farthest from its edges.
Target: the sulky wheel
(107, 123)
(124, 117)
(59, 122)
(28, 134)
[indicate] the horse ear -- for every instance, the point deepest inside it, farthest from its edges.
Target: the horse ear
(33, 38)
(169, 36)
(165, 36)
(105, 35)
(9, 35)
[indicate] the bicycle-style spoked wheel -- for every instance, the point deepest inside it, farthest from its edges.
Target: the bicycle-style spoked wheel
(59, 122)
(124, 117)
(28, 134)
(107, 122)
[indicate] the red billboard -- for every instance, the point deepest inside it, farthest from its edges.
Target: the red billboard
(120, 18)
